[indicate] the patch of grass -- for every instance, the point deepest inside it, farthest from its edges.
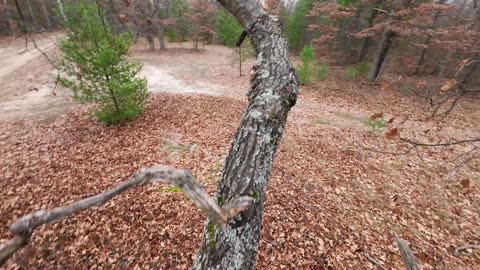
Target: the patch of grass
(376, 124)
(322, 72)
(407, 89)
(211, 227)
(351, 73)
(363, 68)
(217, 166)
(177, 148)
(323, 122)
(171, 189)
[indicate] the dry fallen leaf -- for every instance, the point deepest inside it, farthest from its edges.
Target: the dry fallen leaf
(392, 133)
(449, 85)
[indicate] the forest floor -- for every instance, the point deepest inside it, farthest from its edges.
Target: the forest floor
(330, 200)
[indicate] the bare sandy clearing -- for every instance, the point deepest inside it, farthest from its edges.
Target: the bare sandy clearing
(28, 90)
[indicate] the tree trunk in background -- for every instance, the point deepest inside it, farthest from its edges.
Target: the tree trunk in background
(423, 52)
(8, 18)
(273, 92)
(32, 15)
(381, 54)
(161, 36)
(151, 41)
(161, 28)
(445, 61)
(60, 7)
(46, 13)
(366, 41)
(195, 42)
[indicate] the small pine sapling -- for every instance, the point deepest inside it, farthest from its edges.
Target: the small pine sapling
(306, 69)
(95, 65)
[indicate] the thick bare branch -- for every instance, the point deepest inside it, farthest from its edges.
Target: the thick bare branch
(407, 254)
(8, 249)
(25, 226)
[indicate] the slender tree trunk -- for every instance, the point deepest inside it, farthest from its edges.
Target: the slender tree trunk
(381, 54)
(195, 42)
(444, 63)
(8, 18)
(366, 41)
(421, 59)
(62, 11)
(32, 15)
(423, 52)
(151, 42)
(248, 166)
(161, 36)
(46, 13)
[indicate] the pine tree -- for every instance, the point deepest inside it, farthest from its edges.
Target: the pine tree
(297, 23)
(96, 68)
(228, 28)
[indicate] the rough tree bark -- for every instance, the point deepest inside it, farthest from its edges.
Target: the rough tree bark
(381, 54)
(273, 92)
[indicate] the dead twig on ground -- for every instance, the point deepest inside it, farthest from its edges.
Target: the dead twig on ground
(458, 250)
(375, 262)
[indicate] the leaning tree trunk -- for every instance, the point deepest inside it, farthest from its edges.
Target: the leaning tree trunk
(381, 54)
(367, 40)
(273, 92)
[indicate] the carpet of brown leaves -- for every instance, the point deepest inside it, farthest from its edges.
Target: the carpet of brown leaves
(329, 200)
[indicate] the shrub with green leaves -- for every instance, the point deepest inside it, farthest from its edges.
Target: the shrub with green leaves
(306, 69)
(376, 123)
(296, 24)
(322, 72)
(351, 73)
(363, 68)
(96, 68)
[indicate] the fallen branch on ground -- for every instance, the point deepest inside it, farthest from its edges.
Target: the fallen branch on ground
(407, 254)
(375, 262)
(459, 250)
(24, 227)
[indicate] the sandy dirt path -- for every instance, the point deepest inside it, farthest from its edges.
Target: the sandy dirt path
(28, 80)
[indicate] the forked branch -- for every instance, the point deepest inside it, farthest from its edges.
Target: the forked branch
(24, 227)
